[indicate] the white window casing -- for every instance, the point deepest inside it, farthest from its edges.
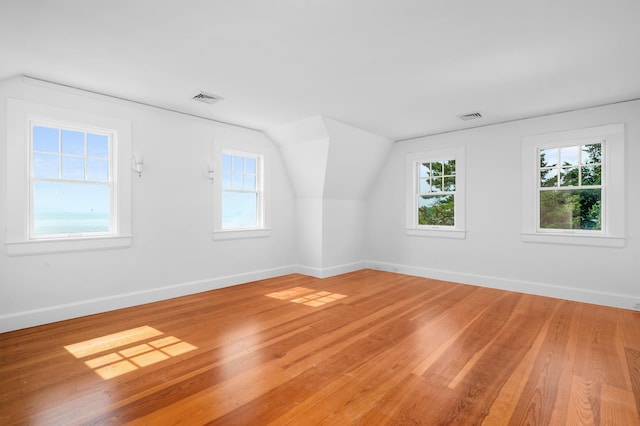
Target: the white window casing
(612, 232)
(20, 237)
(262, 192)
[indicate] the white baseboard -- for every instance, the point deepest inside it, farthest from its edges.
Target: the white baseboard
(331, 271)
(615, 300)
(30, 318)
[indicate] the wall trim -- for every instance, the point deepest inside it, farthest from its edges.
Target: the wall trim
(34, 317)
(332, 270)
(615, 300)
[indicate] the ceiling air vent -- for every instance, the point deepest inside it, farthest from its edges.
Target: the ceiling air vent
(207, 98)
(472, 116)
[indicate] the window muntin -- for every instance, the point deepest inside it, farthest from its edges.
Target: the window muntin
(241, 191)
(570, 191)
(71, 182)
(436, 188)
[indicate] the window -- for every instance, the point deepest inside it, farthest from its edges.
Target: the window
(435, 194)
(241, 194)
(574, 187)
(570, 189)
(71, 186)
(68, 180)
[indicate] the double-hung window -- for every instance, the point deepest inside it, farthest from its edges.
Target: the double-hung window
(573, 187)
(72, 190)
(68, 180)
(241, 191)
(435, 193)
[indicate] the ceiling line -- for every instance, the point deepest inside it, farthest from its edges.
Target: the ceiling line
(60, 86)
(516, 119)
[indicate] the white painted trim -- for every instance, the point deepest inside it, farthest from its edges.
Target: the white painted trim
(33, 317)
(330, 271)
(58, 245)
(616, 300)
(236, 234)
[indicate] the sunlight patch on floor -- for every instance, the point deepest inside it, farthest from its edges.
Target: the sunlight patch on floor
(124, 357)
(300, 295)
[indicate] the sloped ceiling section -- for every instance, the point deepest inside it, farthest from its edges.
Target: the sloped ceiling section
(328, 159)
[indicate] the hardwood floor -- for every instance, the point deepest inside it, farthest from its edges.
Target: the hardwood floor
(365, 348)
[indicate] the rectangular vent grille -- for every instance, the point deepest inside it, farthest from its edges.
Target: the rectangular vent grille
(207, 98)
(472, 116)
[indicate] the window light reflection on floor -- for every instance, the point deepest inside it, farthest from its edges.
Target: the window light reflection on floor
(300, 295)
(128, 350)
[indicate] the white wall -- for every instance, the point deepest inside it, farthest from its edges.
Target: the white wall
(493, 254)
(173, 252)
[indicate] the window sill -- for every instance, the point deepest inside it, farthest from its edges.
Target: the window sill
(574, 240)
(241, 234)
(24, 248)
(436, 233)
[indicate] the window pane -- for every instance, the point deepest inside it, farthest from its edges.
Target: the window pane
(250, 182)
(250, 165)
(97, 170)
(591, 175)
(226, 180)
(45, 139)
(592, 153)
(569, 155)
(548, 177)
(424, 169)
(61, 208)
(436, 169)
(239, 210)
(571, 209)
(45, 166)
(436, 210)
(72, 142)
(569, 176)
(73, 168)
(436, 185)
(238, 164)
(449, 167)
(226, 163)
(238, 181)
(548, 157)
(98, 146)
(450, 183)
(424, 186)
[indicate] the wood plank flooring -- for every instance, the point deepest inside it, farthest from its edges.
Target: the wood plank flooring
(365, 348)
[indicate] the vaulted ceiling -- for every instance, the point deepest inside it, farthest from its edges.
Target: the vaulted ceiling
(399, 69)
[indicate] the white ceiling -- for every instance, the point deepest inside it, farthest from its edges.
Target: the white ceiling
(400, 69)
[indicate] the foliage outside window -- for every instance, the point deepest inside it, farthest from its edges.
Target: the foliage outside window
(435, 203)
(71, 185)
(436, 193)
(241, 191)
(571, 187)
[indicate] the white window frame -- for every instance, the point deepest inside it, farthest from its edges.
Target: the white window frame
(20, 238)
(458, 231)
(612, 232)
(111, 183)
(263, 188)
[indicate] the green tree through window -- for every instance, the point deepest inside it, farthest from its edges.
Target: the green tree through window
(436, 193)
(571, 187)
